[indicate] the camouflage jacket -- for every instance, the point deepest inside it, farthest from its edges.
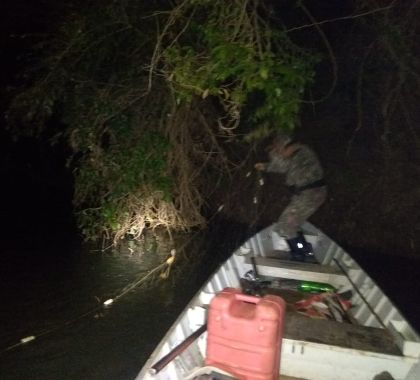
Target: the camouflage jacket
(301, 168)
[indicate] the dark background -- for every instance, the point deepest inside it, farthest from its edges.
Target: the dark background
(36, 186)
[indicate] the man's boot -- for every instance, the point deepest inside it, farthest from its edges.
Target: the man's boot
(307, 247)
(300, 249)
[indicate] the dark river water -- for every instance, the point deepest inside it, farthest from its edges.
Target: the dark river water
(55, 294)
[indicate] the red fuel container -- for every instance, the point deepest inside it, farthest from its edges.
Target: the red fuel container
(244, 334)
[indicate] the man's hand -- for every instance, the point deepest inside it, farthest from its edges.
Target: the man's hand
(261, 166)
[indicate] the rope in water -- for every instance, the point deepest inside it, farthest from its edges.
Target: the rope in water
(164, 267)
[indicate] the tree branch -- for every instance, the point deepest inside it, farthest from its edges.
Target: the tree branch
(313, 24)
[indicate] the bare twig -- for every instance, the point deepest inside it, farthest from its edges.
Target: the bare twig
(156, 56)
(330, 53)
(359, 103)
(317, 23)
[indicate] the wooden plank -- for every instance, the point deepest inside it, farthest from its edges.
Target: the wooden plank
(346, 335)
(285, 255)
(272, 267)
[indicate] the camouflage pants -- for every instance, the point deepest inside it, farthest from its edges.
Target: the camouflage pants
(300, 208)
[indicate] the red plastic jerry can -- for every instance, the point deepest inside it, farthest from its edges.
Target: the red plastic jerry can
(244, 334)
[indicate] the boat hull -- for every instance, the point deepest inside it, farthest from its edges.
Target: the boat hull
(381, 340)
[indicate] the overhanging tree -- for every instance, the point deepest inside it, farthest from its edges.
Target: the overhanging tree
(149, 93)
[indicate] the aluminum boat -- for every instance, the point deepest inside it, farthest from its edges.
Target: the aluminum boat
(375, 339)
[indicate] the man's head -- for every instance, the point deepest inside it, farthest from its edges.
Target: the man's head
(282, 140)
(283, 145)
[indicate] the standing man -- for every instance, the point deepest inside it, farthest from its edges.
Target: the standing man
(305, 179)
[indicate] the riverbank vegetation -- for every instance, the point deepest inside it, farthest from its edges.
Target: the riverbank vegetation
(151, 95)
(163, 105)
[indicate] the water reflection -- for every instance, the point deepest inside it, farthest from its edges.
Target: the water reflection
(40, 292)
(48, 296)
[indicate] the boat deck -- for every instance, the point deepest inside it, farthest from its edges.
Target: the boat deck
(329, 332)
(283, 268)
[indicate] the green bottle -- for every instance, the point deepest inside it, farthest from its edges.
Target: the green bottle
(315, 287)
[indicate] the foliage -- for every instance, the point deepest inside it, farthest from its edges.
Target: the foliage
(123, 169)
(138, 85)
(231, 52)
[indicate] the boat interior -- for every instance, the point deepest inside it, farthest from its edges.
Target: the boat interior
(359, 341)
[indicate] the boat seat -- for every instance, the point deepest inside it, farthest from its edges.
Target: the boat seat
(273, 267)
(346, 335)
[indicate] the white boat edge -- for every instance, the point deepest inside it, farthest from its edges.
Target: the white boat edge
(300, 359)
